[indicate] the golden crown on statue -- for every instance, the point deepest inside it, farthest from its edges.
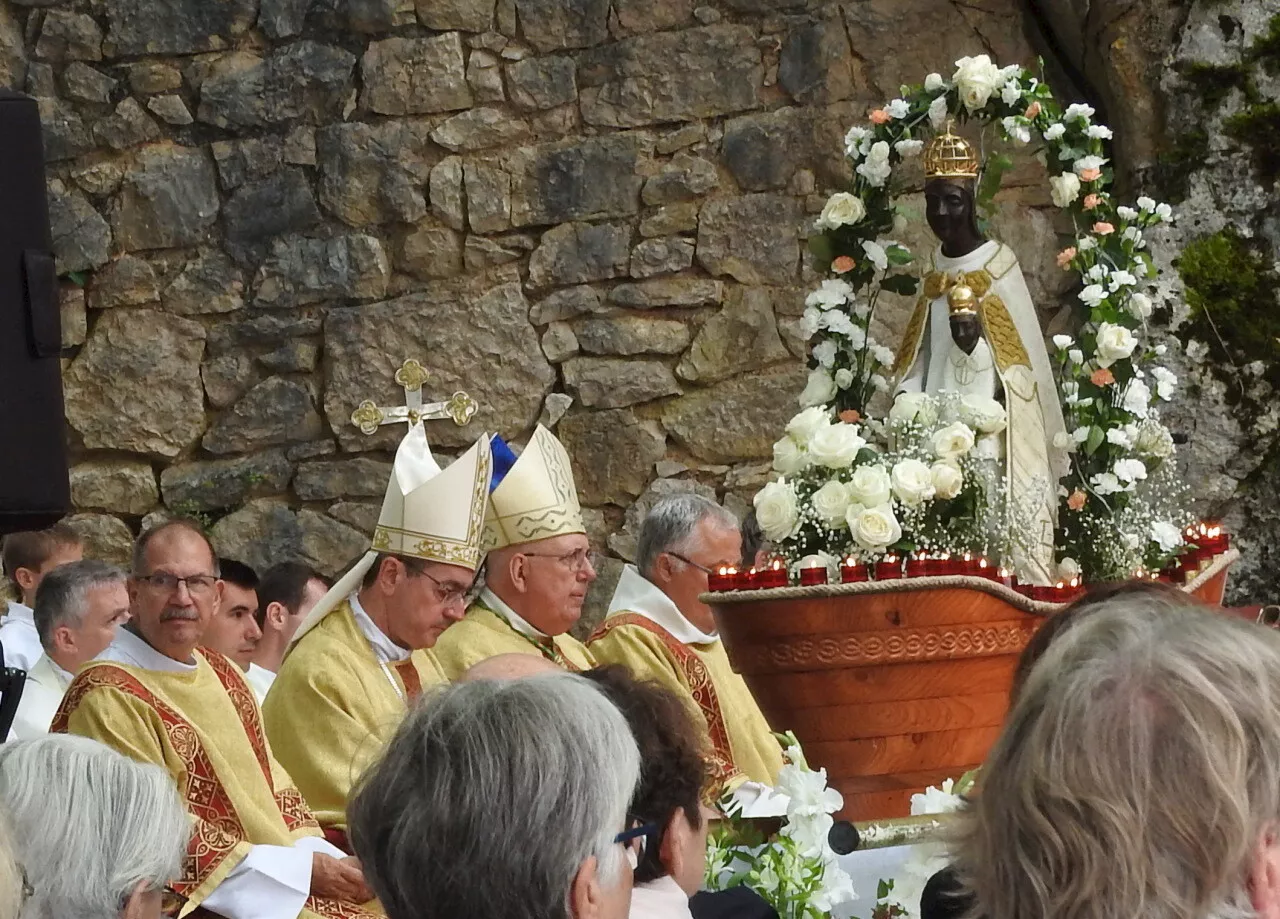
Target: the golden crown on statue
(950, 156)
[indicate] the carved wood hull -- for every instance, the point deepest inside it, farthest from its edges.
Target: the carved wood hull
(891, 691)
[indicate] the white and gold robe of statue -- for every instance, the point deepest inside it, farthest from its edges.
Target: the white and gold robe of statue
(1011, 330)
(646, 633)
(338, 699)
(253, 836)
(491, 627)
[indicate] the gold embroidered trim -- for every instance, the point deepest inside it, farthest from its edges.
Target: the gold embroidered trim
(911, 338)
(1002, 333)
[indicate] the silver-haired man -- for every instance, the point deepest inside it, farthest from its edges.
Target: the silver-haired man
(659, 629)
(98, 835)
(504, 799)
(1137, 775)
(78, 608)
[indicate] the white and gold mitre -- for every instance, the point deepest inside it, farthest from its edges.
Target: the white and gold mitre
(429, 514)
(537, 498)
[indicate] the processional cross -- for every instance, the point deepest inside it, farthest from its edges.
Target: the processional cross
(369, 416)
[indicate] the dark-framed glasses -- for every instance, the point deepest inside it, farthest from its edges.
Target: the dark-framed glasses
(636, 840)
(198, 585)
(574, 561)
(448, 594)
(688, 561)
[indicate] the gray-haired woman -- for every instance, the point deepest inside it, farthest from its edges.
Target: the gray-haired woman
(506, 800)
(98, 836)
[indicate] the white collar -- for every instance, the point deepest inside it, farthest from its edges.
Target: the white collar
(514, 619)
(133, 650)
(661, 898)
(64, 676)
(637, 594)
(383, 647)
(978, 258)
(47, 667)
(20, 612)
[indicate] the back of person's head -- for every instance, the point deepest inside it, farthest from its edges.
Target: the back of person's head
(12, 879)
(1137, 773)
(285, 583)
(492, 797)
(673, 767)
(32, 551)
(238, 573)
(62, 598)
(94, 827)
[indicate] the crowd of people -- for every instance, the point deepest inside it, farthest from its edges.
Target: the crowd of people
(427, 738)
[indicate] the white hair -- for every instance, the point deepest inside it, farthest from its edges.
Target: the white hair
(10, 875)
(516, 783)
(670, 524)
(93, 825)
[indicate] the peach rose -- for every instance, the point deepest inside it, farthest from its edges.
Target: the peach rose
(1091, 201)
(1033, 110)
(1065, 257)
(1102, 377)
(842, 264)
(1090, 175)
(1077, 500)
(1102, 228)
(880, 116)
(850, 416)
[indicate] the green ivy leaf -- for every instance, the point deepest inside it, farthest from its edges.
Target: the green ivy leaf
(899, 255)
(904, 284)
(992, 176)
(1096, 437)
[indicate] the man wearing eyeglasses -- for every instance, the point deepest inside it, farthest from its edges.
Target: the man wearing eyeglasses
(539, 566)
(363, 654)
(157, 697)
(659, 629)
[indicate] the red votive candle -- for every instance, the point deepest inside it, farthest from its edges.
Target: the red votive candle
(813, 575)
(775, 575)
(853, 571)
(987, 570)
(889, 568)
(953, 564)
(722, 578)
(969, 564)
(749, 580)
(917, 566)
(1008, 579)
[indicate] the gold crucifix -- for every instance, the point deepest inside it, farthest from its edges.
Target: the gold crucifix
(369, 416)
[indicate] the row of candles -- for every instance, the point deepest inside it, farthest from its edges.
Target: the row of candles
(1208, 540)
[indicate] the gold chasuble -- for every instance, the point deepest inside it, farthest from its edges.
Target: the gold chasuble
(483, 634)
(639, 635)
(203, 727)
(333, 708)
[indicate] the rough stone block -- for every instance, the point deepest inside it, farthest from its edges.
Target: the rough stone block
(603, 382)
(671, 76)
(81, 238)
(630, 335)
(479, 128)
(484, 76)
(292, 357)
(464, 15)
(86, 84)
(208, 283)
(764, 151)
(68, 36)
(550, 25)
(743, 336)
(65, 134)
(365, 346)
(480, 254)
(488, 198)
(665, 292)
(175, 26)
(168, 199)
(431, 252)
(302, 80)
(661, 256)
(407, 76)
(127, 127)
(280, 204)
(371, 16)
(300, 270)
(445, 189)
(753, 239)
(636, 16)
(357, 477)
(136, 384)
(612, 453)
(149, 77)
(105, 537)
(276, 411)
(559, 342)
(128, 281)
(372, 174)
(575, 253)
(265, 532)
(683, 179)
(117, 486)
(738, 419)
(577, 180)
(214, 484)
(543, 82)
(170, 109)
(565, 304)
(672, 219)
(74, 316)
(282, 18)
(815, 65)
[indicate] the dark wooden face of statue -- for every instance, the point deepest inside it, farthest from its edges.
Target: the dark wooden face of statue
(952, 213)
(966, 329)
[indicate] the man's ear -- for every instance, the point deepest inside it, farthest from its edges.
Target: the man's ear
(518, 570)
(1264, 876)
(674, 836)
(586, 896)
(277, 615)
(25, 578)
(64, 640)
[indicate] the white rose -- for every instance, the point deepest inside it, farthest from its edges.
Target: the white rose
(876, 169)
(938, 111)
(1164, 212)
(1064, 189)
(1054, 131)
(1140, 306)
(884, 357)
(1092, 295)
(1068, 568)
(1085, 163)
(1099, 132)
(947, 480)
(824, 352)
(1078, 110)
(1137, 398)
(1076, 356)
(898, 108)
(1011, 93)
(983, 413)
(989, 447)
(844, 378)
(912, 482)
(977, 79)
(875, 252)
(836, 446)
(1114, 343)
(777, 511)
(820, 389)
(1168, 536)
(870, 486)
(1126, 213)
(842, 210)
(788, 457)
(808, 423)
(874, 527)
(1062, 342)
(1166, 383)
(1063, 441)
(933, 83)
(914, 406)
(1147, 204)
(909, 148)
(831, 503)
(953, 441)
(1130, 470)
(1154, 440)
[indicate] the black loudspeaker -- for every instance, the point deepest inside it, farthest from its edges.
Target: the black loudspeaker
(35, 490)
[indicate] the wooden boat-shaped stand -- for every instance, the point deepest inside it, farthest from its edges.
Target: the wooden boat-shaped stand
(892, 686)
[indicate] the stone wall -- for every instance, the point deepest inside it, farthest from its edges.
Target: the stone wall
(589, 212)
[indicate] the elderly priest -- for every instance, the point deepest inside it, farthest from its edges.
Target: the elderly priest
(361, 656)
(539, 565)
(659, 629)
(256, 852)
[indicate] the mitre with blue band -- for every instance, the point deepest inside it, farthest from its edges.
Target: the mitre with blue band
(536, 498)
